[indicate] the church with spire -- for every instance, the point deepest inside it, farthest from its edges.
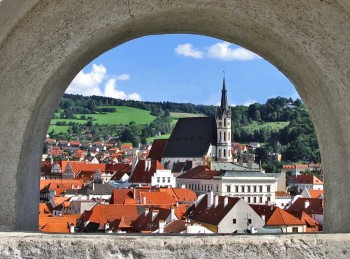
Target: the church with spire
(199, 140)
(223, 124)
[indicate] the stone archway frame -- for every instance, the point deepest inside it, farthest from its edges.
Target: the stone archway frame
(44, 44)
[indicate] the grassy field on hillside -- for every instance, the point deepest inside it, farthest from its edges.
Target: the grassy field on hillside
(275, 126)
(177, 115)
(123, 115)
(165, 136)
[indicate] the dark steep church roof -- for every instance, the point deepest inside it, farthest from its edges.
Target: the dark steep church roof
(191, 137)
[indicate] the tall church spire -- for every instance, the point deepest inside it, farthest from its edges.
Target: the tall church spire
(223, 123)
(223, 95)
(224, 108)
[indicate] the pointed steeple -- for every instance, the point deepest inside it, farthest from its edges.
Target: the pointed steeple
(223, 105)
(224, 108)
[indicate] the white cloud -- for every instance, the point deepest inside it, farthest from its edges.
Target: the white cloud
(112, 91)
(249, 102)
(223, 51)
(187, 50)
(95, 83)
(123, 77)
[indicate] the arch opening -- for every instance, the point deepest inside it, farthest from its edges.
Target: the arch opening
(58, 51)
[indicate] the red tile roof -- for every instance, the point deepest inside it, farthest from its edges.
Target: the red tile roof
(159, 198)
(181, 194)
(57, 224)
(150, 222)
(213, 215)
(315, 206)
(282, 218)
(316, 193)
(60, 185)
(45, 208)
(306, 179)
(142, 174)
(311, 224)
(199, 172)
(120, 195)
(281, 195)
(103, 213)
(78, 166)
(175, 226)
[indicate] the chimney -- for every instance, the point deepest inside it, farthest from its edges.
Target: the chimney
(183, 186)
(240, 160)
(172, 213)
(144, 199)
(93, 186)
(146, 211)
(107, 227)
(210, 199)
(216, 201)
(225, 201)
(250, 163)
(71, 228)
(307, 204)
(161, 226)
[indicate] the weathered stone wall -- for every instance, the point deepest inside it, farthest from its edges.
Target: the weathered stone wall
(26, 245)
(45, 43)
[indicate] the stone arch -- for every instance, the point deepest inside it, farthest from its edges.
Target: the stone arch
(44, 44)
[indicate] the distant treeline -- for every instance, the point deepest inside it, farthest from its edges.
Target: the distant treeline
(296, 142)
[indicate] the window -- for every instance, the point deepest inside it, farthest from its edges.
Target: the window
(224, 152)
(248, 187)
(268, 188)
(158, 179)
(260, 199)
(224, 122)
(268, 198)
(163, 179)
(228, 188)
(219, 152)
(217, 188)
(248, 199)
(220, 136)
(254, 199)
(168, 179)
(249, 221)
(294, 229)
(254, 188)
(236, 188)
(224, 136)
(242, 188)
(234, 221)
(260, 188)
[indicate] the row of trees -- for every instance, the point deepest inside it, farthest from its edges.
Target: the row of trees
(297, 141)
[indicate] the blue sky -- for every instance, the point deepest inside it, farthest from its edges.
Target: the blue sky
(182, 68)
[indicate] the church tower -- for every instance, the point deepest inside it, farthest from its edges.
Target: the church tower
(223, 123)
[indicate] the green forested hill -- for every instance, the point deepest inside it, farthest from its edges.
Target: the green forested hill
(282, 124)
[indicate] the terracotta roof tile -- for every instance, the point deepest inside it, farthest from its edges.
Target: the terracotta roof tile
(308, 205)
(103, 213)
(282, 218)
(175, 226)
(213, 215)
(142, 174)
(199, 172)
